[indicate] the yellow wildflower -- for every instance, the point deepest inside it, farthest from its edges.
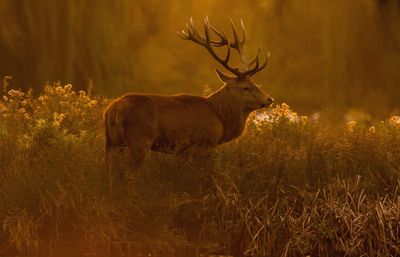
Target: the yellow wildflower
(57, 119)
(41, 123)
(93, 103)
(82, 93)
(351, 125)
(60, 90)
(372, 130)
(68, 87)
(395, 120)
(5, 98)
(12, 93)
(286, 112)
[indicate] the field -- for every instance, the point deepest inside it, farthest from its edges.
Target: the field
(292, 185)
(317, 174)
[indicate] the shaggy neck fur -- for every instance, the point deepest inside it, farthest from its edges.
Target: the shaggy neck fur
(230, 113)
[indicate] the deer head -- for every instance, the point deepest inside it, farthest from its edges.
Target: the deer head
(239, 86)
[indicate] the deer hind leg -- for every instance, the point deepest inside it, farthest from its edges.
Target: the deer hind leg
(138, 149)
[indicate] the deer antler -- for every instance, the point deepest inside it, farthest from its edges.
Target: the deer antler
(237, 44)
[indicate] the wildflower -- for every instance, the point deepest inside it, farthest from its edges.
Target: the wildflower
(276, 111)
(292, 117)
(24, 102)
(372, 130)
(41, 123)
(5, 98)
(27, 116)
(286, 112)
(48, 90)
(82, 93)
(41, 98)
(60, 90)
(285, 106)
(261, 118)
(93, 103)
(13, 93)
(57, 119)
(351, 125)
(58, 116)
(395, 121)
(68, 87)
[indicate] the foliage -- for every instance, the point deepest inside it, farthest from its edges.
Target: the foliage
(290, 186)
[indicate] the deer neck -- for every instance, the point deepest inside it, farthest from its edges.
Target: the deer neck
(230, 113)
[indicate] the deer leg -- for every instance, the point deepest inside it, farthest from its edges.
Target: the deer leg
(138, 149)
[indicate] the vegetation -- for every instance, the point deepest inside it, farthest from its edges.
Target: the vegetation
(323, 184)
(291, 186)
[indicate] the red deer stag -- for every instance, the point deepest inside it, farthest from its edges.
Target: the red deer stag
(144, 122)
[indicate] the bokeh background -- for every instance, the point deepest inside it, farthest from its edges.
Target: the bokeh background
(326, 55)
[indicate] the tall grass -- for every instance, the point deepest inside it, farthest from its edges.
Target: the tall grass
(291, 186)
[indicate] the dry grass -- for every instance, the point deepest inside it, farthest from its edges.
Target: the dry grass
(291, 186)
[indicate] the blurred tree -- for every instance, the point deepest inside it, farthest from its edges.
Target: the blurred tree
(74, 41)
(325, 54)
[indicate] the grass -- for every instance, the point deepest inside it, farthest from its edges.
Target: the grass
(291, 186)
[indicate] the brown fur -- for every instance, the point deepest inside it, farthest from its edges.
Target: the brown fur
(144, 122)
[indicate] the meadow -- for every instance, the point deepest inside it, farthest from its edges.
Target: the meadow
(292, 185)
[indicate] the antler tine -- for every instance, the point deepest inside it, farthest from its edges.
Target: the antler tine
(238, 44)
(235, 37)
(243, 31)
(265, 62)
(221, 35)
(255, 58)
(257, 68)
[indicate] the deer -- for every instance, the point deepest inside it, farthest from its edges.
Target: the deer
(174, 123)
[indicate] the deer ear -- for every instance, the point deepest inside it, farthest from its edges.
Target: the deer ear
(226, 78)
